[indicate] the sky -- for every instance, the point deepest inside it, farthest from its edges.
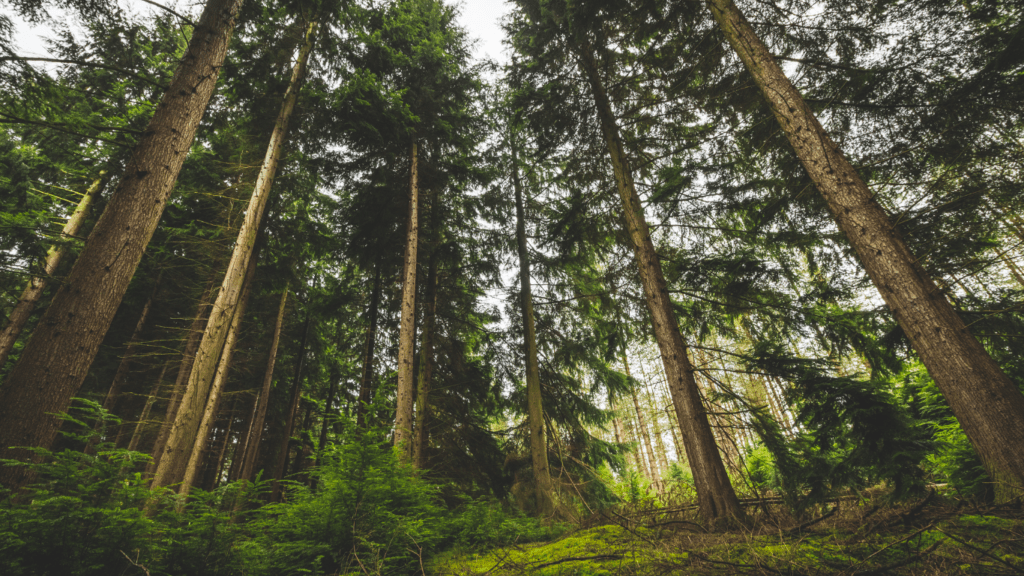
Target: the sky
(481, 19)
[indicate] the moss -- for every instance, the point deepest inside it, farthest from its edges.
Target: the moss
(605, 549)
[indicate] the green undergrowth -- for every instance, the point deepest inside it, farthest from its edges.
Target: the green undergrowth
(931, 536)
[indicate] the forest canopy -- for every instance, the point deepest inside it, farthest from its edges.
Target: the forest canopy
(304, 286)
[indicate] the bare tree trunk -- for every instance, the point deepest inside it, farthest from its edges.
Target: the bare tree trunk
(534, 395)
(56, 359)
(988, 405)
(188, 357)
(220, 379)
(183, 433)
(34, 291)
(140, 426)
(365, 381)
(426, 369)
(641, 423)
(252, 443)
(715, 495)
(407, 330)
(218, 465)
(238, 455)
(282, 452)
(114, 392)
(325, 425)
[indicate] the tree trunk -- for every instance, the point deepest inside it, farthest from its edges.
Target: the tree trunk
(34, 291)
(365, 381)
(534, 395)
(213, 479)
(183, 433)
(188, 357)
(114, 392)
(56, 359)
(325, 425)
(407, 331)
(988, 405)
(252, 443)
(220, 379)
(715, 495)
(282, 452)
(426, 368)
(641, 424)
(140, 426)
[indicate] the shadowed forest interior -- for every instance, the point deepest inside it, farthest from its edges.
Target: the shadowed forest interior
(672, 287)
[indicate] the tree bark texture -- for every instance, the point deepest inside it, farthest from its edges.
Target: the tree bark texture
(543, 488)
(715, 495)
(220, 379)
(293, 407)
(57, 357)
(987, 404)
(186, 424)
(366, 379)
(426, 368)
(252, 443)
(407, 330)
(34, 291)
(195, 333)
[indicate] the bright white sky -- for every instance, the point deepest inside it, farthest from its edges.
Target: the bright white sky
(480, 17)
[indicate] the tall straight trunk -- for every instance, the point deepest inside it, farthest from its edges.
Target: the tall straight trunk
(426, 368)
(289, 427)
(114, 392)
(407, 330)
(34, 291)
(673, 426)
(140, 425)
(366, 379)
(238, 454)
(334, 376)
(213, 478)
(252, 443)
(641, 424)
(653, 412)
(220, 379)
(188, 357)
(57, 357)
(183, 433)
(715, 495)
(988, 405)
(534, 395)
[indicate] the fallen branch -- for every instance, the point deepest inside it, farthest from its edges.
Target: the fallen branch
(815, 521)
(578, 559)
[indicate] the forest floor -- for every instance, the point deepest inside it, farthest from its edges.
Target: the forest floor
(930, 536)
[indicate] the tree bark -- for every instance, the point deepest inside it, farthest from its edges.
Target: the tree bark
(715, 495)
(34, 291)
(219, 382)
(56, 359)
(213, 478)
(252, 443)
(365, 381)
(282, 452)
(426, 368)
(543, 487)
(183, 433)
(641, 423)
(188, 357)
(987, 404)
(407, 330)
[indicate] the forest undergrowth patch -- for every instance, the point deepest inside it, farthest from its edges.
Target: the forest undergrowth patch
(932, 535)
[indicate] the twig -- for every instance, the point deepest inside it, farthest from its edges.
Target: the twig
(134, 563)
(578, 559)
(815, 521)
(162, 7)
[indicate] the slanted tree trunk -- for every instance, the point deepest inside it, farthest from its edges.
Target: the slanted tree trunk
(238, 454)
(114, 392)
(56, 359)
(407, 330)
(213, 478)
(987, 404)
(140, 426)
(252, 443)
(641, 424)
(34, 291)
(366, 379)
(293, 407)
(188, 357)
(715, 495)
(426, 368)
(183, 433)
(543, 488)
(219, 382)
